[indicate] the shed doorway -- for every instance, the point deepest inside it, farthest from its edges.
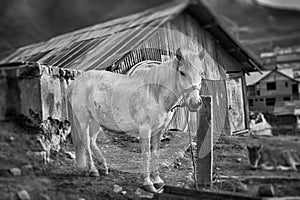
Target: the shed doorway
(236, 110)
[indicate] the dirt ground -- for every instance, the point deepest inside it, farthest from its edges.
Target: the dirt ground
(60, 180)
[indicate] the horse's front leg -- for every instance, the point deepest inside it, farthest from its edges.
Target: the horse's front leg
(155, 142)
(145, 136)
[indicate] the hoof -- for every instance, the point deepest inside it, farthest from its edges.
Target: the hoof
(103, 169)
(106, 171)
(94, 173)
(159, 186)
(150, 188)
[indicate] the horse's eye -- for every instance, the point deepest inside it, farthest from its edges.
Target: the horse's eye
(182, 73)
(179, 57)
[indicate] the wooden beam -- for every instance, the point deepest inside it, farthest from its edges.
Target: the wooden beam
(176, 193)
(246, 104)
(260, 178)
(204, 158)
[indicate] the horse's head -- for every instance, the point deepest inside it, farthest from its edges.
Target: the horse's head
(190, 71)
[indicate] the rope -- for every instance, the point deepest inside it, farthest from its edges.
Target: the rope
(182, 105)
(172, 110)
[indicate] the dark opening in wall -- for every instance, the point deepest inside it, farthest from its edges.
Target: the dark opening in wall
(271, 86)
(270, 101)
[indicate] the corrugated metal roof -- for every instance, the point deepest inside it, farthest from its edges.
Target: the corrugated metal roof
(98, 46)
(256, 77)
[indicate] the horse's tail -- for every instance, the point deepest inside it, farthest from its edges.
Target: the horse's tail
(80, 151)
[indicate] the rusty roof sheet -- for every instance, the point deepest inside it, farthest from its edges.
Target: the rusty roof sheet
(98, 46)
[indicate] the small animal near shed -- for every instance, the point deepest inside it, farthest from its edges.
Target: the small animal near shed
(34, 78)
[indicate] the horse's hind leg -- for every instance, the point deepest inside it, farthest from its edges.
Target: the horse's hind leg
(94, 131)
(83, 134)
(80, 150)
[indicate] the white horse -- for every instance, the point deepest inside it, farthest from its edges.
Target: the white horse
(140, 102)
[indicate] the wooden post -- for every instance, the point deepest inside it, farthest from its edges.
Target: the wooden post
(246, 103)
(204, 158)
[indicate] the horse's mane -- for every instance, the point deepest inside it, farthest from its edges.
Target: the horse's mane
(158, 77)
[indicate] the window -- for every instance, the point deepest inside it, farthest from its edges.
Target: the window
(270, 101)
(251, 102)
(251, 89)
(256, 100)
(286, 98)
(261, 99)
(271, 86)
(286, 84)
(258, 93)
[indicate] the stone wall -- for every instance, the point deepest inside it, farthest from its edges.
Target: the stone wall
(34, 91)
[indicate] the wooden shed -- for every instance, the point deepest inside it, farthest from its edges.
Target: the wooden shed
(34, 78)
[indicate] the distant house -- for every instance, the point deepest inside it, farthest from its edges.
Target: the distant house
(266, 89)
(283, 57)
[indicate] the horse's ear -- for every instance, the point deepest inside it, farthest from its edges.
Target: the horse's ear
(202, 54)
(259, 147)
(249, 148)
(179, 54)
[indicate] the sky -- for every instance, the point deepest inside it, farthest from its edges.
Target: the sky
(282, 3)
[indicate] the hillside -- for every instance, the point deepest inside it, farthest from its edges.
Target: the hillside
(30, 21)
(258, 25)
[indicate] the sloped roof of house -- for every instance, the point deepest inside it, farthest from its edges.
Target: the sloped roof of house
(256, 77)
(98, 46)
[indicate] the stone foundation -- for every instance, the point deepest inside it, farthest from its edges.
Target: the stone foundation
(34, 91)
